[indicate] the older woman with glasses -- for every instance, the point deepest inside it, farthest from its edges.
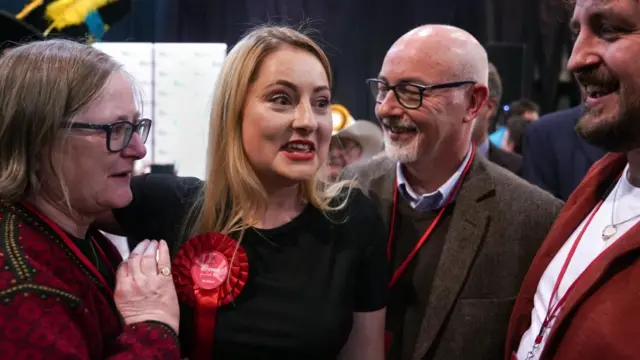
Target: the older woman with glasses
(69, 135)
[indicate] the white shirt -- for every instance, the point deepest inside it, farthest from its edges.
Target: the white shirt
(434, 200)
(120, 242)
(627, 205)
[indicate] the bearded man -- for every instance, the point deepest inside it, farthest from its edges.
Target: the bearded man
(462, 231)
(581, 297)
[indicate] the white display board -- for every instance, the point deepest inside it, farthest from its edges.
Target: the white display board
(177, 82)
(185, 79)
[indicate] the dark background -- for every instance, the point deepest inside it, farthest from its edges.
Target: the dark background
(357, 33)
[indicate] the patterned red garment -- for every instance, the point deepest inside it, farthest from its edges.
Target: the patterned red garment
(54, 304)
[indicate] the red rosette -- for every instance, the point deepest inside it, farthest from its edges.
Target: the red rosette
(210, 270)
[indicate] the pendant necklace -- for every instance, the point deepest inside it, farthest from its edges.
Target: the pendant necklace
(95, 254)
(611, 230)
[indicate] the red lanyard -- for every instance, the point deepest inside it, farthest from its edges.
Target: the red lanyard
(552, 311)
(400, 270)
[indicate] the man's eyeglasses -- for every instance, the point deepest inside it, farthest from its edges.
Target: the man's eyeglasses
(119, 134)
(408, 95)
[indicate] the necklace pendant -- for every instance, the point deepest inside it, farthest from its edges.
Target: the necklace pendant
(609, 231)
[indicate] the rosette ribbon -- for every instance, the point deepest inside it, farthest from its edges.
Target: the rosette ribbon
(206, 279)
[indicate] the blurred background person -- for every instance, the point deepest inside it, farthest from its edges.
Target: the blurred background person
(480, 136)
(555, 157)
(359, 141)
(516, 127)
(523, 107)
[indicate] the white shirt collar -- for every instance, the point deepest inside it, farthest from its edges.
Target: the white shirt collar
(434, 200)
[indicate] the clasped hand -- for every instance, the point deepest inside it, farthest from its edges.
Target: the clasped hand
(144, 286)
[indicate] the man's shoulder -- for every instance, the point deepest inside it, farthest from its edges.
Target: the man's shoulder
(518, 209)
(511, 188)
(505, 153)
(506, 159)
(559, 119)
(366, 171)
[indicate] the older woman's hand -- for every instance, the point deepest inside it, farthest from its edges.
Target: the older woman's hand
(144, 286)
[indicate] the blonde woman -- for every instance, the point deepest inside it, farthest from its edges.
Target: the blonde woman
(317, 273)
(70, 132)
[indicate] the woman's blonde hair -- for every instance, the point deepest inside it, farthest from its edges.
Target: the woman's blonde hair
(43, 85)
(233, 198)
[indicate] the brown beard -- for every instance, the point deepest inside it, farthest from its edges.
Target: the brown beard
(614, 134)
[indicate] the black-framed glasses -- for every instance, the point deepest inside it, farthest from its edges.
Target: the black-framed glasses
(120, 133)
(409, 95)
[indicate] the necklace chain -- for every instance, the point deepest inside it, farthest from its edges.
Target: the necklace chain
(611, 230)
(95, 254)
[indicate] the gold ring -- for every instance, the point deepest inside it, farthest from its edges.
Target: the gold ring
(165, 271)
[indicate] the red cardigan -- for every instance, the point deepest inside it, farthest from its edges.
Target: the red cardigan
(601, 317)
(55, 305)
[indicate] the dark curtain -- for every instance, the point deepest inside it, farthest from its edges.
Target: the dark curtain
(543, 26)
(356, 33)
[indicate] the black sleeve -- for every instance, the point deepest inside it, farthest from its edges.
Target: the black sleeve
(373, 271)
(159, 208)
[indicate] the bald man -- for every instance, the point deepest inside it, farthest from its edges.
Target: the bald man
(462, 231)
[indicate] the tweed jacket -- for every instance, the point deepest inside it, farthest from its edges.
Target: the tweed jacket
(497, 225)
(508, 160)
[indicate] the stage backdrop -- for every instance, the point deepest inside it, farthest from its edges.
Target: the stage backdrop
(177, 81)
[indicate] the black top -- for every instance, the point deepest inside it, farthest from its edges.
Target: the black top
(105, 266)
(306, 278)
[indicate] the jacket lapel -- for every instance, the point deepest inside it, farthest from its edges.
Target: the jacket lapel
(469, 220)
(628, 242)
(578, 206)
(381, 191)
(591, 277)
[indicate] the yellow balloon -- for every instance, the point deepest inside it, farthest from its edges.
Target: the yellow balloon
(341, 117)
(65, 13)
